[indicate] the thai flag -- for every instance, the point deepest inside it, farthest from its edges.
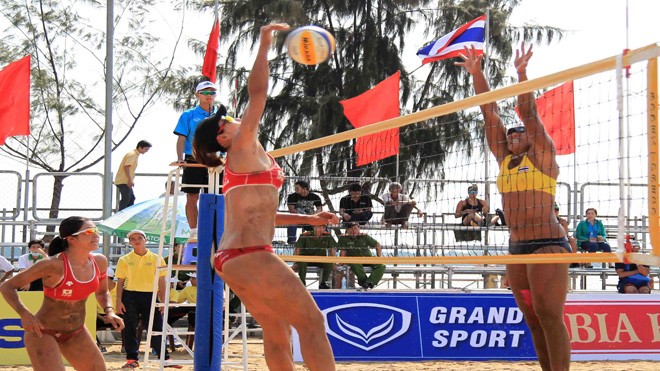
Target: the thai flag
(450, 45)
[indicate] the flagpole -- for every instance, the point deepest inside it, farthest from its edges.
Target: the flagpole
(107, 164)
(485, 142)
(27, 191)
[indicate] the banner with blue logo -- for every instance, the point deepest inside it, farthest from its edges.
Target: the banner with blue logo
(424, 326)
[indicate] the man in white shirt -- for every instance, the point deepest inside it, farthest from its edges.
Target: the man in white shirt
(6, 268)
(398, 206)
(36, 252)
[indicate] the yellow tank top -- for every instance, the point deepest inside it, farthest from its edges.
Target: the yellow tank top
(524, 177)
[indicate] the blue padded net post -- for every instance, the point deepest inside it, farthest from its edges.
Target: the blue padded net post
(208, 325)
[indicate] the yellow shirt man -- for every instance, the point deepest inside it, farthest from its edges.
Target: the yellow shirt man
(138, 272)
(126, 174)
(188, 294)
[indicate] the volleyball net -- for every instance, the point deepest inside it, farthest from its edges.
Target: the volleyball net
(611, 167)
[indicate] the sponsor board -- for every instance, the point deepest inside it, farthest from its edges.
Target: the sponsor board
(12, 335)
(379, 326)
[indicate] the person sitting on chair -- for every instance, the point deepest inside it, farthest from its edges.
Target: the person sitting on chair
(398, 206)
(633, 278)
(317, 243)
(591, 236)
(353, 243)
(355, 207)
(472, 210)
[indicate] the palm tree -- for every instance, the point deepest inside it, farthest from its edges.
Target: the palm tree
(371, 35)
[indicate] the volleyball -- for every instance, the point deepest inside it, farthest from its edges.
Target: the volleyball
(310, 45)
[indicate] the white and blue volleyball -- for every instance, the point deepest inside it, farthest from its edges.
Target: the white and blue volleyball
(310, 45)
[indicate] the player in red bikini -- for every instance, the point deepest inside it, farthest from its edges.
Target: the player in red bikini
(70, 276)
(266, 285)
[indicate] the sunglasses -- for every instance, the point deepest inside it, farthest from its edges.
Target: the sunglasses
(517, 129)
(224, 120)
(87, 232)
(207, 92)
(473, 192)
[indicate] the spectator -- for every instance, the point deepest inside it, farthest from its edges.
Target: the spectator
(71, 275)
(571, 239)
(36, 252)
(175, 312)
(472, 210)
(173, 189)
(317, 243)
(355, 244)
(591, 236)
(302, 201)
(136, 272)
(185, 130)
(124, 180)
(398, 206)
(355, 207)
(6, 269)
(102, 321)
(633, 278)
(189, 295)
(181, 275)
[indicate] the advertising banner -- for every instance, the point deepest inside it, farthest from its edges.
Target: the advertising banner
(12, 345)
(406, 326)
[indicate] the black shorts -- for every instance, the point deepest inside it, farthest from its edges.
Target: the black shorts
(529, 247)
(195, 175)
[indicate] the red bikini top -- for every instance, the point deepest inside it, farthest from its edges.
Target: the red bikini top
(72, 289)
(273, 176)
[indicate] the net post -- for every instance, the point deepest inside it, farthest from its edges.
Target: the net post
(653, 162)
(210, 295)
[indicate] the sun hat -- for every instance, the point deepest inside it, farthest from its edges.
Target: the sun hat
(205, 85)
(136, 231)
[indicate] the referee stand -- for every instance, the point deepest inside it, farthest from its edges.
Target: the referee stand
(210, 351)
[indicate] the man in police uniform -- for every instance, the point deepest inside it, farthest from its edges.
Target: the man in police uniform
(136, 272)
(353, 243)
(317, 243)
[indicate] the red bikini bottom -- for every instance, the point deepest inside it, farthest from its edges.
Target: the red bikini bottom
(63, 336)
(222, 256)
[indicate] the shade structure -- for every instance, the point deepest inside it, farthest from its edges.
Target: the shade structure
(148, 217)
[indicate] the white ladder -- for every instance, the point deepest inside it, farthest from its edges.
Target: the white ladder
(161, 362)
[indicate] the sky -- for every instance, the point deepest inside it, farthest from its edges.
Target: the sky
(596, 29)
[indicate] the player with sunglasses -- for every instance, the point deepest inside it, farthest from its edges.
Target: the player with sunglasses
(205, 92)
(245, 260)
(527, 182)
(71, 274)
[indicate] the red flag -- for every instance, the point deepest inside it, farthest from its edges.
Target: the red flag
(211, 57)
(375, 105)
(556, 109)
(15, 101)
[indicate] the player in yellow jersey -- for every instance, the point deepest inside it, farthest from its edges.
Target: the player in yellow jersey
(527, 182)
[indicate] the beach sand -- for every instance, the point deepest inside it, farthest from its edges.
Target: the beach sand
(114, 361)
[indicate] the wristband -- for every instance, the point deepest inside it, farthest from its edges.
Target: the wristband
(106, 308)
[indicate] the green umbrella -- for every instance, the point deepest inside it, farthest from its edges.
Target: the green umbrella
(148, 217)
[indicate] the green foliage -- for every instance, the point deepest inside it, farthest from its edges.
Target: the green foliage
(67, 42)
(371, 36)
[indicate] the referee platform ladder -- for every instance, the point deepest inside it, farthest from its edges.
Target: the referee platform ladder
(205, 330)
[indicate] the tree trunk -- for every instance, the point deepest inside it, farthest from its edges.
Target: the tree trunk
(55, 203)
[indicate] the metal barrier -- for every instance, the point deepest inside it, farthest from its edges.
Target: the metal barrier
(10, 188)
(431, 235)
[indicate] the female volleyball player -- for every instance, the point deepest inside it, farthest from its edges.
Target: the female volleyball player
(69, 276)
(245, 260)
(527, 182)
